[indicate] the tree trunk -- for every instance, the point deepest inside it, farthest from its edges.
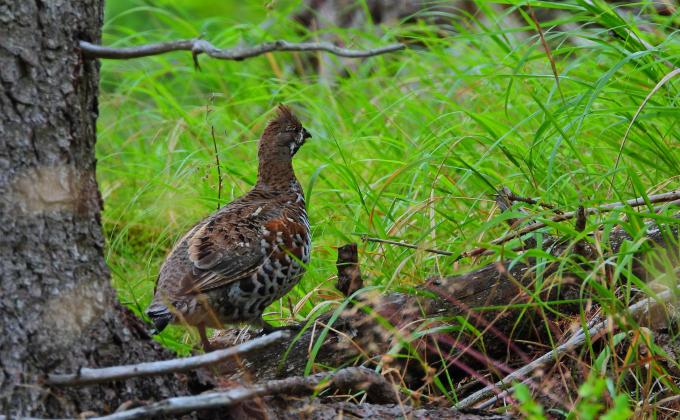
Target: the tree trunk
(57, 308)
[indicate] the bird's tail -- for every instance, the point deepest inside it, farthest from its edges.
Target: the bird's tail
(160, 315)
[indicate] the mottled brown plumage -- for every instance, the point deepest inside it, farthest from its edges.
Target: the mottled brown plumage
(233, 264)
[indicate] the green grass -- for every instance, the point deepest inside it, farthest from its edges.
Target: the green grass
(406, 146)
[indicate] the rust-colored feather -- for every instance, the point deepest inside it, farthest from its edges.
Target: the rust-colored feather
(235, 262)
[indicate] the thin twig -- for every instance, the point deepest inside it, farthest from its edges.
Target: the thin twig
(200, 46)
(219, 171)
(348, 378)
(504, 201)
(115, 373)
(637, 310)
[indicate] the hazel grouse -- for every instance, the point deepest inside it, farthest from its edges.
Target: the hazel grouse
(233, 264)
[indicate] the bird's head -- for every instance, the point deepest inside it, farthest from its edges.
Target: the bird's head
(284, 132)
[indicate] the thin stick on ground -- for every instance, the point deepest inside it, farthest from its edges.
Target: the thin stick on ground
(87, 376)
(376, 386)
(637, 311)
(200, 46)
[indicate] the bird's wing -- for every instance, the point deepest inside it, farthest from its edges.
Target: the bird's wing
(228, 247)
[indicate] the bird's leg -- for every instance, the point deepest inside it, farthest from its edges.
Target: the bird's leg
(204, 338)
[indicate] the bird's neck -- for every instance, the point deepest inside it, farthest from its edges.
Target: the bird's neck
(275, 170)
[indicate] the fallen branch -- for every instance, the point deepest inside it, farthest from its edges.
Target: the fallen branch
(377, 388)
(87, 376)
(638, 311)
(200, 46)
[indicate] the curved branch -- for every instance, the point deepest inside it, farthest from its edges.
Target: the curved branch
(92, 376)
(200, 46)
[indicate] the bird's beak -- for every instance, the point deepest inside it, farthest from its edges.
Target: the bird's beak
(306, 134)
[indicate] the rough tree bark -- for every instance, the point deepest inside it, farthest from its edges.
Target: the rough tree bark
(57, 308)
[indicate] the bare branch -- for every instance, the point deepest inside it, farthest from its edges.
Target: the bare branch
(200, 46)
(92, 376)
(638, 311)
(377, 389)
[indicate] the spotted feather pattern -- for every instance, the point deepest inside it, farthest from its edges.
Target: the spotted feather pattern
(232, 265)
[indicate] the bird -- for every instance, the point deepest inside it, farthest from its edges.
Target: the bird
(234, 263)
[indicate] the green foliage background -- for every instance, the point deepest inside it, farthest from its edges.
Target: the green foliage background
(407, 146)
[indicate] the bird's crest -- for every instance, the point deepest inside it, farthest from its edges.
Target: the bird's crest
(283, 121)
